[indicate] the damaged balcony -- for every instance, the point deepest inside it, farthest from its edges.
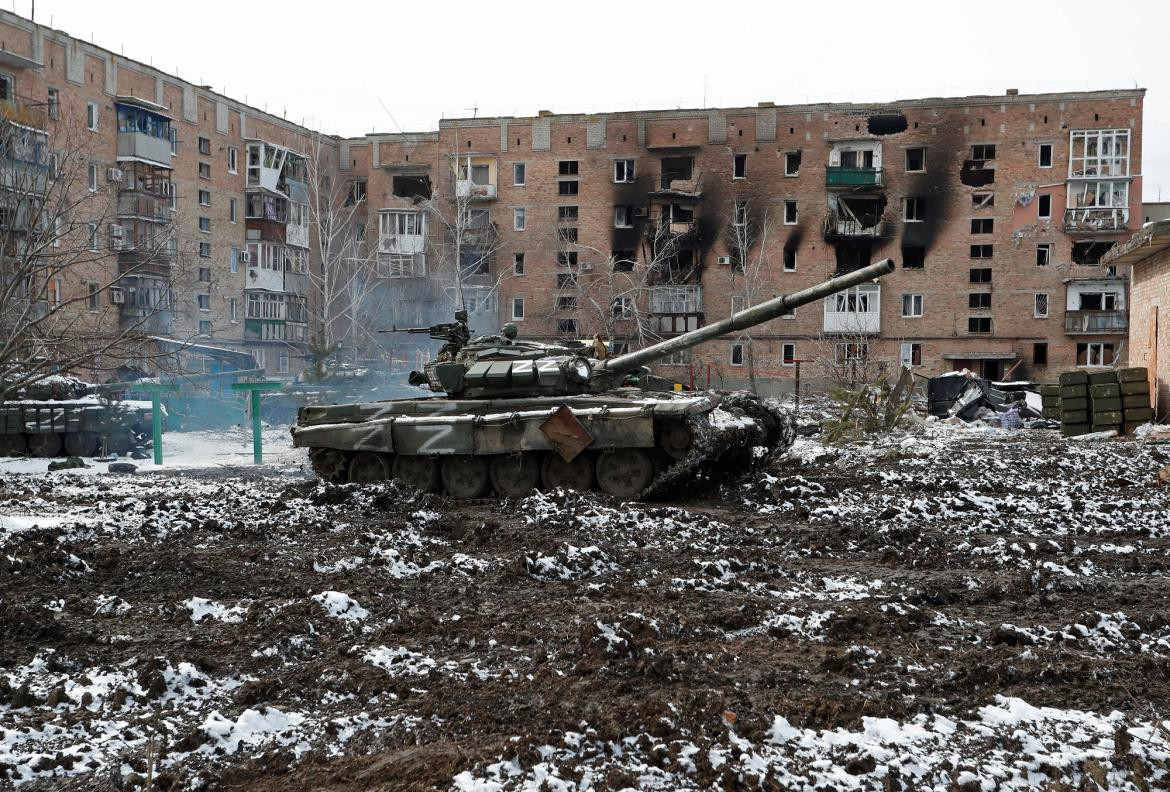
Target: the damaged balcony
(1096, 322)
(476, 179)
(1095, 306)
(679, 179)
(855, 216)
(1101, 219)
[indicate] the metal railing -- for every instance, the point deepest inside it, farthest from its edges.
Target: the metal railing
(838, 176)
(1096, 322)
(837, 225)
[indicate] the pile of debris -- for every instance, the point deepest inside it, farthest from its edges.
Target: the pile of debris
(962, 395)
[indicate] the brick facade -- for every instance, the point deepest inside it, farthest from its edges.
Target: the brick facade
(807, 219)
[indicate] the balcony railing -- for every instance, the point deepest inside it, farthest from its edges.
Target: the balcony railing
(837, 176)
(1092, 322)
(268, 230)
(401, 243)
(145, 207)
(24, 111)
(465, 188)
(1096, 219)
(837, 226)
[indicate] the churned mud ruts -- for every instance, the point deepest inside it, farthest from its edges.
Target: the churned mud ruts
(954, 609)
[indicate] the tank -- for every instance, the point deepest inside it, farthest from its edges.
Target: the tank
(63, 415)
(510, 416)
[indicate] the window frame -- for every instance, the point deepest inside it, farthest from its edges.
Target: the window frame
(627, 167)
(519, 218)
(914, 205)
(518, 259)
(921, 169)
(1040, 148)
(621, 210)
(91, 116)
(233, 159)
(517, 302)
(791, 203)
(738, 167)
(737, 346)
(916, 300)
(792, 173)
(1046, 248)
(1040, 198)
(786, 359)
(1036, 297)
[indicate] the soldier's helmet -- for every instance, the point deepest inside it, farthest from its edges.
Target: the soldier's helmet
(508, 331)
(461, 315)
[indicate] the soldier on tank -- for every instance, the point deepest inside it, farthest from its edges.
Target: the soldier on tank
(458, 335)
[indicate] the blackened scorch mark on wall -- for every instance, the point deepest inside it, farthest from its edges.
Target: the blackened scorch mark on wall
(936, 185)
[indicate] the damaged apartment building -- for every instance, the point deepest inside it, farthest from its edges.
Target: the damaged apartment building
(642, 225)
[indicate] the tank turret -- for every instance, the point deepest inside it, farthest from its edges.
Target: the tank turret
(495, 366)
(519, 415)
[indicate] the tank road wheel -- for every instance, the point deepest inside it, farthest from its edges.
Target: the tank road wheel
(329, 464)
(368, 467)
(420, 472)
(515, 475)
(82, 444)
(465, 477)
(675, 440)
(576, 475)
(47, 444)
(625, 472)
(12, 445)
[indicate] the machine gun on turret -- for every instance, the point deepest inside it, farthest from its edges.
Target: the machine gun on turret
(439, 332)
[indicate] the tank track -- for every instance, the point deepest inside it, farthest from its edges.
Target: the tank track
(743, 433)
(727, 449)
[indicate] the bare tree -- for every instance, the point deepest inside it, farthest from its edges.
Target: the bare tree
(344, 280)
(748, 236)
(89, 257)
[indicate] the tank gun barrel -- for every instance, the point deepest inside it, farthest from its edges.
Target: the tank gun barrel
(749, 317)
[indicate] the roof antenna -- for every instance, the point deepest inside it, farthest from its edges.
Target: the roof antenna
(392, 121)
(474, 109)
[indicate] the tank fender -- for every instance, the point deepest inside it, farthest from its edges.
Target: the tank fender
(374, 435)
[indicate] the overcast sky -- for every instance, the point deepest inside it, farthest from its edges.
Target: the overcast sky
(349, 67)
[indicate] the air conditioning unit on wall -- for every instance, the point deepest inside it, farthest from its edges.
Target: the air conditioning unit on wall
(725, 260)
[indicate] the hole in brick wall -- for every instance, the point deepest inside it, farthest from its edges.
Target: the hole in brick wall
(1090, 253)
(857, 127)
(982, 122)
(568, 140)
(792, 130)
(407, 159)
(916, 125)
(1045, 119)
(741, 133)
(1096, 117)
(673, 135)
(517, 141)
(623, 138)
(469, 144)
(888, 124)
(411, 186)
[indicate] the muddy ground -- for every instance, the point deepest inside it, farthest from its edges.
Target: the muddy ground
(955, 609)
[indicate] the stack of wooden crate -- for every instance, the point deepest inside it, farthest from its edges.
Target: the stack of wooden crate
(1074, 403)
(1105, 401)
(1134, 384)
